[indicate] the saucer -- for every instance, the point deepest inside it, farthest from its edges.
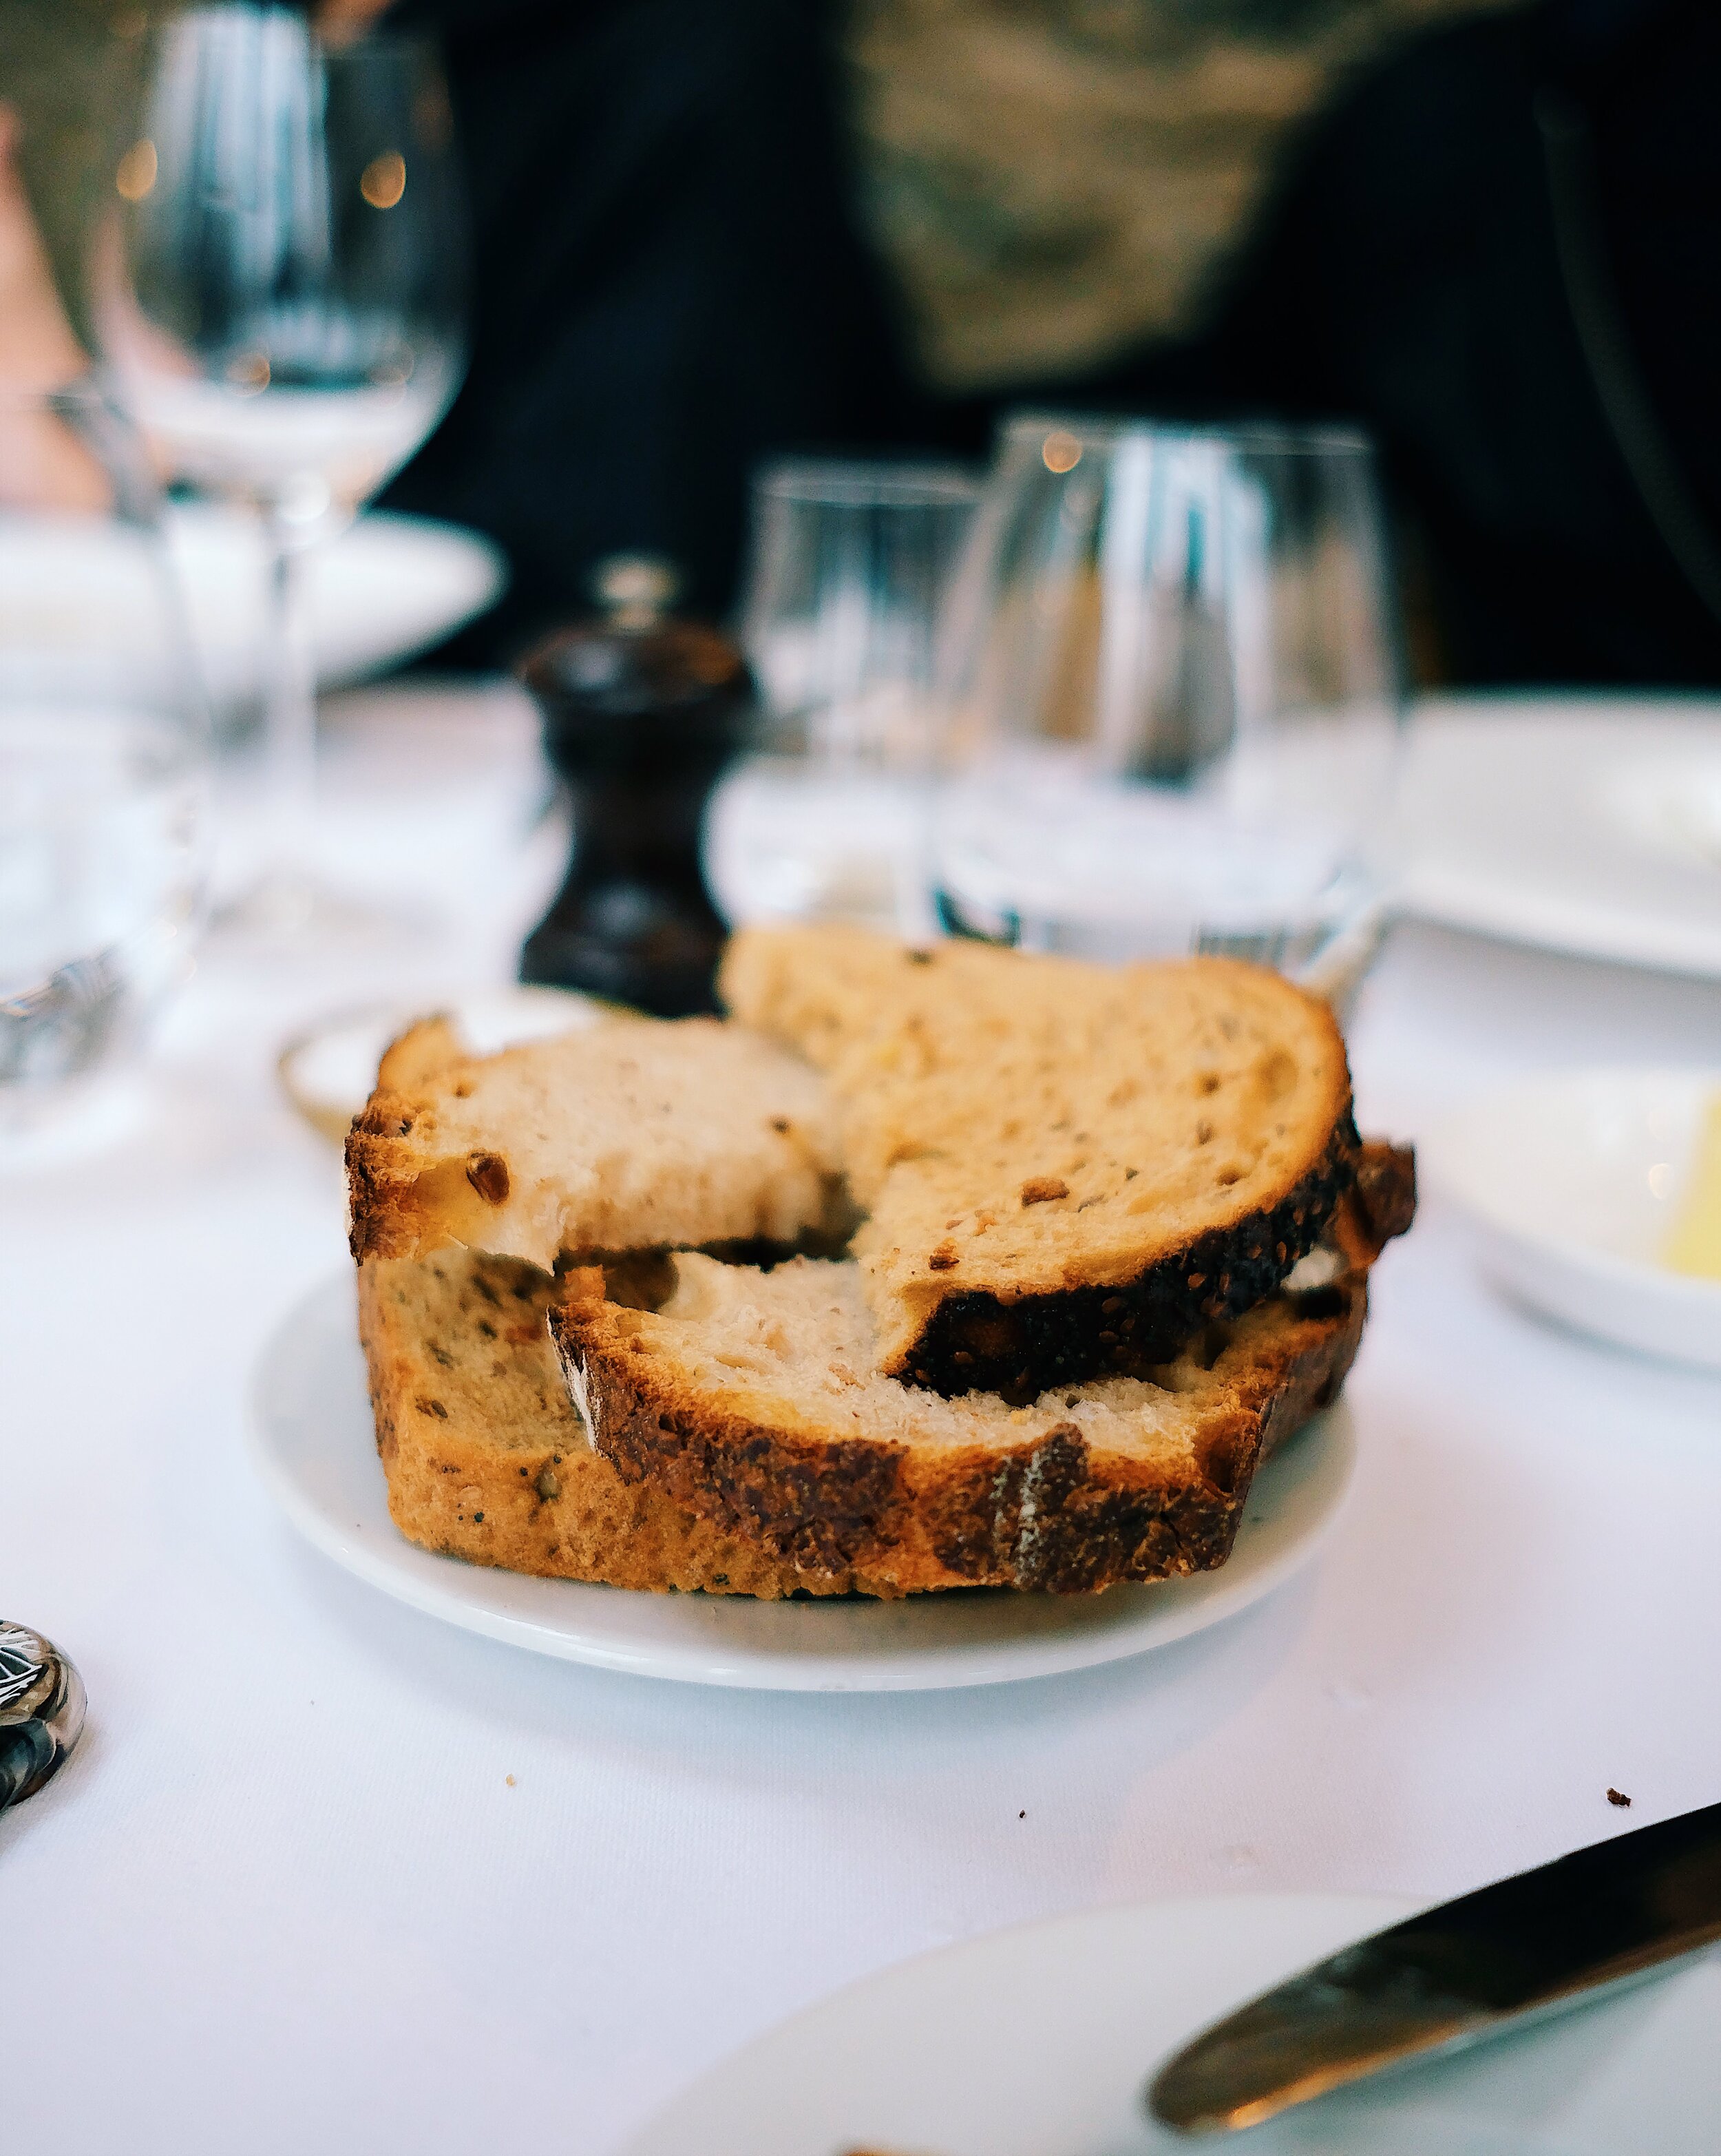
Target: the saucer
(1572, 1185)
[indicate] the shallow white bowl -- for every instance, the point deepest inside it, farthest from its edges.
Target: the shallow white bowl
(1572, 1185)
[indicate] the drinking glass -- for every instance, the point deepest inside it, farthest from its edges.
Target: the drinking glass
(1171, 668)
(849, 566)
(279, 298)
(103, 766)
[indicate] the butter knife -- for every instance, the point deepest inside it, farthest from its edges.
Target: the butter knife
(1525, 1948)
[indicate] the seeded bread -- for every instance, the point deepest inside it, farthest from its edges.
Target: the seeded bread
(486, 1459)
(1067, 1168)
(634, 1133)
(750, 1396)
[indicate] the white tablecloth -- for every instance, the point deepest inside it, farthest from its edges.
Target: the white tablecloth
(327, 1874)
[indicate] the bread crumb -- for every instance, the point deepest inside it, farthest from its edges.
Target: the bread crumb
(1039, 1188)
(944, 1258)
(510, 1781)
(1618, 1797)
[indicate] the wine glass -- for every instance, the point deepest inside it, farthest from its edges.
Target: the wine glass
(280, 299)
(848, 570)
(1172, 670)
(102, 771)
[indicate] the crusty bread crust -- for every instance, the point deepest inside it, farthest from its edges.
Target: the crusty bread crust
(997, 1110)
(1057, 1513)
(634, 1133)
(979, 1341)
(487, 1460)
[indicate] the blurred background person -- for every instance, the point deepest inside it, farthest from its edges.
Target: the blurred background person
(712, 231)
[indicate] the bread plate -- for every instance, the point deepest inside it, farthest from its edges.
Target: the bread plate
(313, 1442)
(327, 1069)
(1571, 1185)
(1037, 2042)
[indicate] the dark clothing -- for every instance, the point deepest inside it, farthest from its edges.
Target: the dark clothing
(671, 285)
(1416, 274)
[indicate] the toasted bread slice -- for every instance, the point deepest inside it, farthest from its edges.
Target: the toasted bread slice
(632, 1134)
(486, 1459)
(751, 1396)
(1068, 1168)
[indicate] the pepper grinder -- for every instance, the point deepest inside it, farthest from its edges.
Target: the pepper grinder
(640, 714)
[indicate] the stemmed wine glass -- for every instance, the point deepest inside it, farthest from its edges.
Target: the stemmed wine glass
(1170, 666)
(279, 300)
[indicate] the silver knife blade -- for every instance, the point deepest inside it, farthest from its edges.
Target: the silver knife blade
(1527, 1946)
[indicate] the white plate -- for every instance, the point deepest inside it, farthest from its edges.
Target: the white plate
(384, 588)
(1038, 2042)
(329, 1069)
(1572, 1185)
(313, 1438)
(1592, 826)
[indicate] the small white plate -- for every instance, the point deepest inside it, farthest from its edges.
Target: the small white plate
(1038, 2042)
(328, 1071)
(1580, 824)
(313, 1438)
(1572, 1185)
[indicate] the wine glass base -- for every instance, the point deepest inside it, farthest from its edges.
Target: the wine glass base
(289, 912)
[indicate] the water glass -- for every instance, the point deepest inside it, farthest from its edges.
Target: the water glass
(103, 765)
(1171, 668)
(849, 568)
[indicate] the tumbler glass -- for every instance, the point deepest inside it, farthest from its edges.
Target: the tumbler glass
(849, 568)
(103, 766)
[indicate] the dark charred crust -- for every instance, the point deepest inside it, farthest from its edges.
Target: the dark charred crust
(1051, 1520)
(974, 1341)
(803, 1503)
(1317, 1365)
(1050, 1516)
(369, 1186)
(1386, 1190)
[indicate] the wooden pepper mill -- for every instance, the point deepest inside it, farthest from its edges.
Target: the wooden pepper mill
(640, 714)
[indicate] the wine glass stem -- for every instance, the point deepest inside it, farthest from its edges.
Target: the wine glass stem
(289, 695)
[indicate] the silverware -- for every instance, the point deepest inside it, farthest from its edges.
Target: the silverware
(41, 1712)
(1525, 1948)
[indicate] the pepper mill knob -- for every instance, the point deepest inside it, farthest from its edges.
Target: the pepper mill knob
(642, 711)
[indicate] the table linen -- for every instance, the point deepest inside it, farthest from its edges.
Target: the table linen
(327, 1873)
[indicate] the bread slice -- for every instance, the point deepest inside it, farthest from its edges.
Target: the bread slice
(634, 1133)
(1068, 1168)
(486, 1459)
(750, 1396)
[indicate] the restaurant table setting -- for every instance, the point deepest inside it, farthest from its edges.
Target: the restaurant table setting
(1349, 1804)
(326, 1863)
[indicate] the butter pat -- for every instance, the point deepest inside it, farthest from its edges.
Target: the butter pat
(1695, 1244)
